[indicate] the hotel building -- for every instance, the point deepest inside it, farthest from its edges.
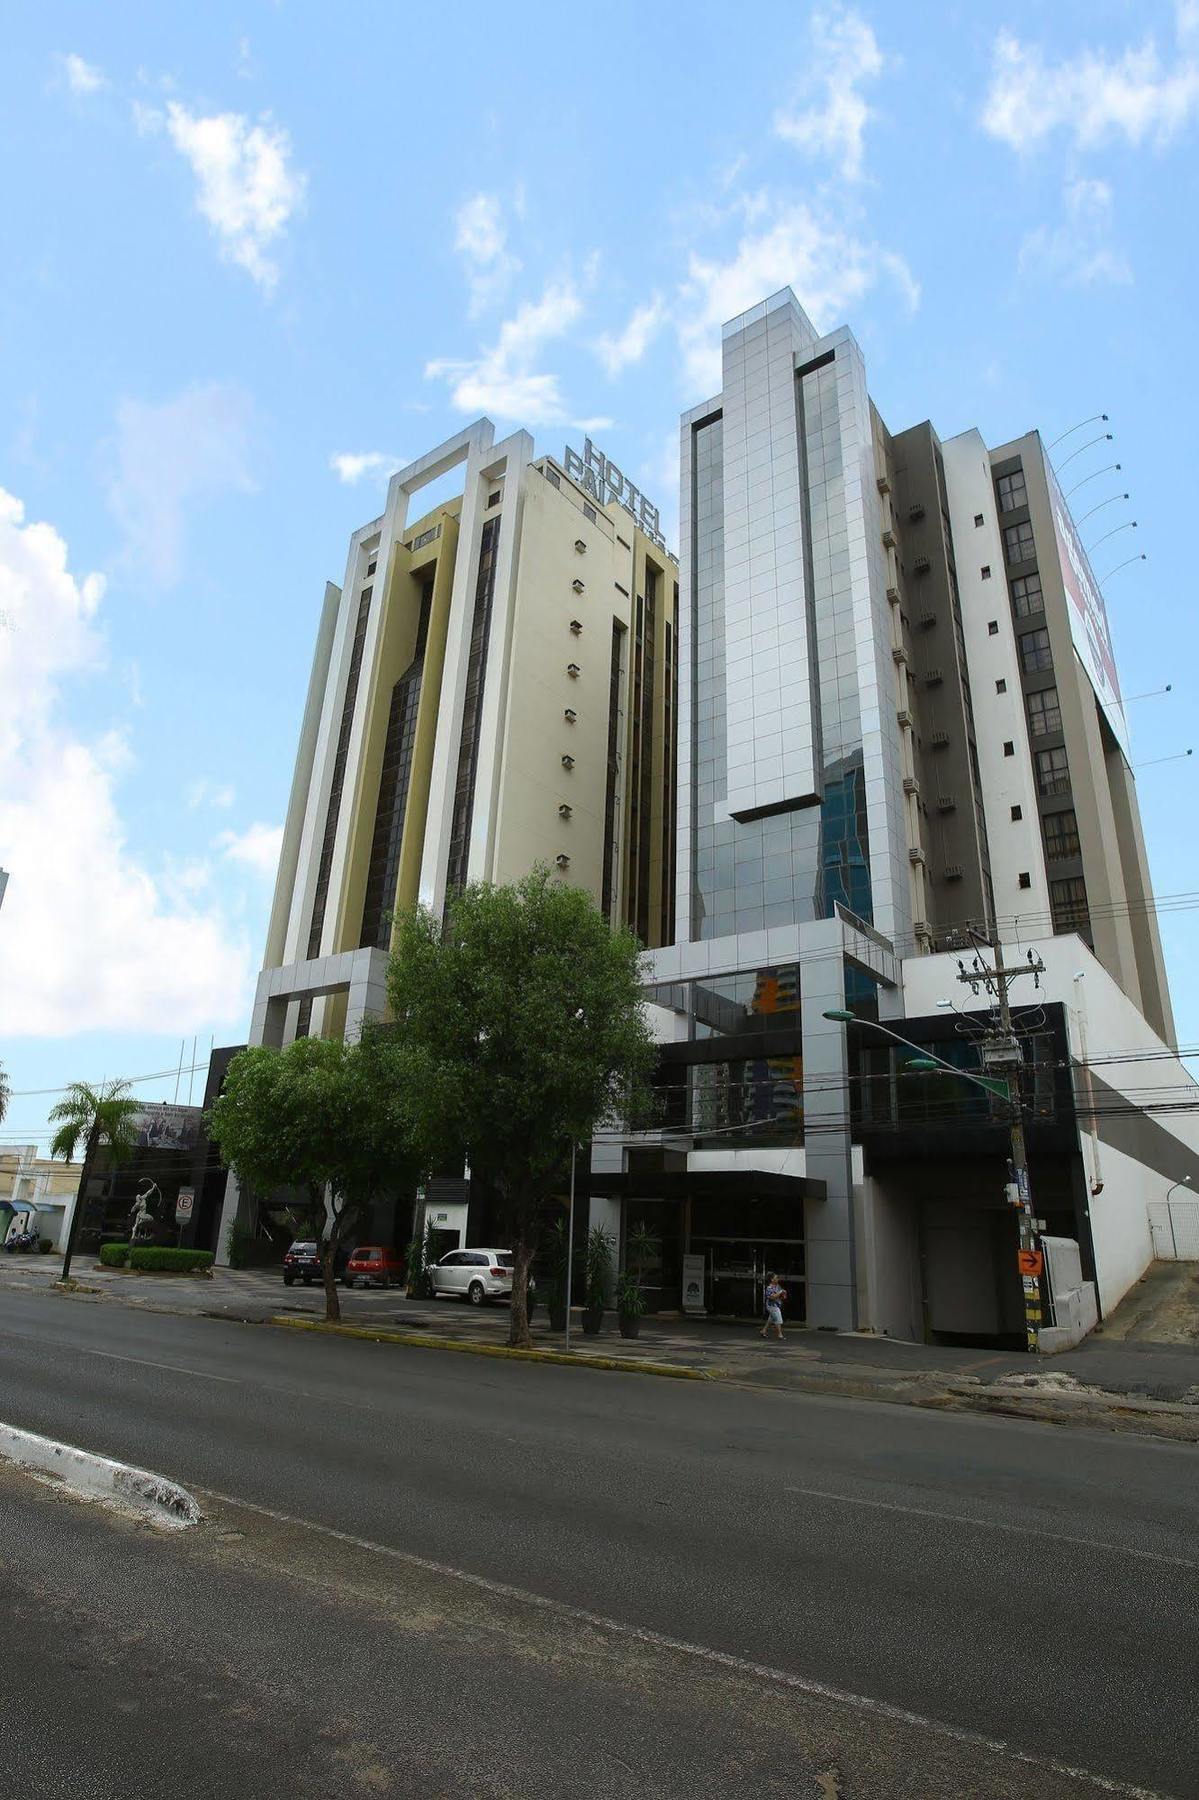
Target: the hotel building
(494, 685)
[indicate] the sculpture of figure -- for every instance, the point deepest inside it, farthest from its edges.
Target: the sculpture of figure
(141, 1217)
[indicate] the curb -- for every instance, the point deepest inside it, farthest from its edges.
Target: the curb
(422, 1341)
(95, 1477)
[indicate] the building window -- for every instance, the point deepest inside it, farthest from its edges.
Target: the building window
(1017, 812)
(1053, 772)
(612, 779)
(985, 571)
(1027, 596)
(553, 477)
(1009, 749)
(992, 627)
(1024, 879)
(589, 511)
(472, 711)
(341, 755)
(395, 777)
(494, 499)
(1044, 712)
(370, 569)
(1061, 834)
(1068, 899)
(978, 518)
(1035, 653)
(1012, 491)
(1001, 686)
(1019, 543)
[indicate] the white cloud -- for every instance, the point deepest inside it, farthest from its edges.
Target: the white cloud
(204, 792)
(828, 267)
(481, 238)
(92, 940)
(246, 185)
(1079, 250)
(256, 848)
(503, 379)
(166, 458)
(1093, 96)
(351, 466)
(827, 115)
(617, 353)
(83, 77)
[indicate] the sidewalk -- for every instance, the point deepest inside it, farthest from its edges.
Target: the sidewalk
(1122, 1384)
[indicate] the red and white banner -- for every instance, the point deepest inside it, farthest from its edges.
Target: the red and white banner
(1088, 615)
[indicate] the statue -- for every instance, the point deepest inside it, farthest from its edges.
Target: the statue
(142, 1219)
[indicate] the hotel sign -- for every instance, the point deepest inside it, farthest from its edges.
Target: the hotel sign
(600, 477)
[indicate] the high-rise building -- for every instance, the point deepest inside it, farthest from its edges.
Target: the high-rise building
(494, 685)
(900, 734)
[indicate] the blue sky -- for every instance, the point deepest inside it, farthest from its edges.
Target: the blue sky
(257, 254)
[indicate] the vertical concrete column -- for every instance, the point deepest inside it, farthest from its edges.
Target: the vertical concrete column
(829, 1255)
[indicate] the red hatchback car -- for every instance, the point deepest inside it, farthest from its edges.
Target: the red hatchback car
(374, 1265)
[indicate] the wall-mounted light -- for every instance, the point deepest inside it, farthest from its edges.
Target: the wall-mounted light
(564, 811)
(568, 762)
(570, 715)
(572, 669)
(576, 625)
(562, 860)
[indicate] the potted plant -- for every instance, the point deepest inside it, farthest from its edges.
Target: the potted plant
(640, 1249)
(599, 1279)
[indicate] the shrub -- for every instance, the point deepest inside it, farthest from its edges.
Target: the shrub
(161, 1256)
(114, 1256)
(239, 1241)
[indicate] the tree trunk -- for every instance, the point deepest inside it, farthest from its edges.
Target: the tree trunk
(519, 1335)
(89, 1154)
(328, 1270)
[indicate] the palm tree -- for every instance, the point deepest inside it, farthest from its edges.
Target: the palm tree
(4, 1091)
(102, 1118)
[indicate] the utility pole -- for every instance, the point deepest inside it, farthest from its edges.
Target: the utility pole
(1001, 1051)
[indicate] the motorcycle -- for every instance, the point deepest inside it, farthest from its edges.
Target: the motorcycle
(22, 1242)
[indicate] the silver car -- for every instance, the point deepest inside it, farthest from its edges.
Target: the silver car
(474, 1275)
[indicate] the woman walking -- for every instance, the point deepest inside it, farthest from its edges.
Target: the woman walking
(776, 1293)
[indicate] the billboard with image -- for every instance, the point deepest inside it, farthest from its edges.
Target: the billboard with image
(1088, 614)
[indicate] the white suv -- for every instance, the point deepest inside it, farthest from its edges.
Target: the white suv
(474, 1275)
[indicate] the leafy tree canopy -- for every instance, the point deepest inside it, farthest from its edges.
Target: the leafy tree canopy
(321, 1115)
(524, 1016)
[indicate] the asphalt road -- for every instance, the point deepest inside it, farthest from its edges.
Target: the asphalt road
(1034, 1588)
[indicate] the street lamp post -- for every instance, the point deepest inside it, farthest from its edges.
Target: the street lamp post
(570, 1244)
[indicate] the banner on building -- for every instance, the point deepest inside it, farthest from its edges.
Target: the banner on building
(1088, 614)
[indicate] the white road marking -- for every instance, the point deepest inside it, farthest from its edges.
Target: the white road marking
(114, 1356)
(817, 1690)
(1024, 1531)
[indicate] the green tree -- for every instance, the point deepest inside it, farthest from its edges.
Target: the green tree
(101, 1118)
(525, 1014)
(4, 1091)
(326, 1118)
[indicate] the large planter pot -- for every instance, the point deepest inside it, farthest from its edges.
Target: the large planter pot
(593, 1319)
(630, 1325)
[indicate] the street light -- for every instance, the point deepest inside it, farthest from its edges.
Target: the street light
(925, 1062)
(570, 1224)
(1105, 470)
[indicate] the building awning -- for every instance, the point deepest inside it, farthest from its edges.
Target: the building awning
(708, 1184)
